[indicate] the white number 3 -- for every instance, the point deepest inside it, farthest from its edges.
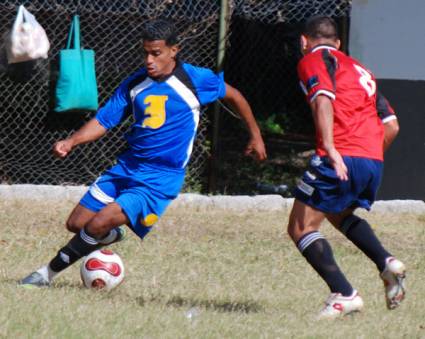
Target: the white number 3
(366, 80)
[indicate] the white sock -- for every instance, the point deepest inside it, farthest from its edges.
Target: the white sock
(47, 273)
(112, 235)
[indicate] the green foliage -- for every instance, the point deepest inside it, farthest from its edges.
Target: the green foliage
(270, 125)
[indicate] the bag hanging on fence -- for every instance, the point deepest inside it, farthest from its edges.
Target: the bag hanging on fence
(76, 87)
(27, 40)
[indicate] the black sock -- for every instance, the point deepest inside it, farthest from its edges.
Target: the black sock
(79, 246)
(361, 234)
(318, 253)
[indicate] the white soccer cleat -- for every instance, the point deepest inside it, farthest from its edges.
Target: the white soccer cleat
(34, 280)
(339, 306)
(393, 276)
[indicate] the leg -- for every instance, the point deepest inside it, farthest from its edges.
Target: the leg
(392, 271)
(79, 217)
(303, 228)
(102, 225)
(87, 240)
(360, 233)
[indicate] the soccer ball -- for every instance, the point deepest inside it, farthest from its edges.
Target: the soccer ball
(102, 269)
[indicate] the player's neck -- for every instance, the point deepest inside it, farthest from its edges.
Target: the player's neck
(167, 72)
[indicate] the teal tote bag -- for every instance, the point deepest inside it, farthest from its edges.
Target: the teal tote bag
(76, 87)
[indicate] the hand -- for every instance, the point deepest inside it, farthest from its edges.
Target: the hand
(62, 148)
(256, 149)
(338, 164)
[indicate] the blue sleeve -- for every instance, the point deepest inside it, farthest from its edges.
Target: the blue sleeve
(115, 109)
(209, 86)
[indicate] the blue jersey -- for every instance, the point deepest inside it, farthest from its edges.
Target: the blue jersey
(166, 113)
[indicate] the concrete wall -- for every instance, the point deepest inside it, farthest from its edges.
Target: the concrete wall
(388, 37)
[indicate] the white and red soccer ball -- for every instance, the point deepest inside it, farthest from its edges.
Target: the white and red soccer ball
(102, 269)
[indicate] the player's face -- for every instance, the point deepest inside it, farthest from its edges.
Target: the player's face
(159, 58)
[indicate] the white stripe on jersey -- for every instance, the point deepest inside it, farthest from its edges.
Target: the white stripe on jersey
(325, 92)
(192, 101)
(389, 118)
(98, 194)
(303, 88)
(140, 87)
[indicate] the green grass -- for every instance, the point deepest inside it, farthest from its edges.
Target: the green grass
(239, 272)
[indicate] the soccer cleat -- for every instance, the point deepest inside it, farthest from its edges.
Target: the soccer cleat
(393, 277)
(339, 306)
(35, 279)
(122, 233)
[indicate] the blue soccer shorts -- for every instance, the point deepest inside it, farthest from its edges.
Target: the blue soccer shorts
(143, 196)
(321, 189)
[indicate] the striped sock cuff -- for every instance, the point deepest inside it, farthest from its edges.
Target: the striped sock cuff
(87, 238)
(307, 239)
(109, 238)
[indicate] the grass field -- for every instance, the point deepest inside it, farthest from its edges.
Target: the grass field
(203, 274)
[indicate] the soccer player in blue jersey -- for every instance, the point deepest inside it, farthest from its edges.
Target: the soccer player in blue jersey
(164, 99)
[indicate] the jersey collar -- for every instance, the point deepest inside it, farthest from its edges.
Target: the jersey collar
(166, 77)
(318, 47)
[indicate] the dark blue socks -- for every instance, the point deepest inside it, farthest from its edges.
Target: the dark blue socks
(318, 253)
(361, 234)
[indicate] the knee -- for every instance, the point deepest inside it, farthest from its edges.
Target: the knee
(349, 222)
(74, 225)
(98, 226)
(292, 229)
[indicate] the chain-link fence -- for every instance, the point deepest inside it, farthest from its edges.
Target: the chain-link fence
(261, 57)
(29, 127)
(264, 51)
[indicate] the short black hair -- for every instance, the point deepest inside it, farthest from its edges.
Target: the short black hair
(321, 27)
(160, 29)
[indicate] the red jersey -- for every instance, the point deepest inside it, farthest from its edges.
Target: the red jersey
(358, 130)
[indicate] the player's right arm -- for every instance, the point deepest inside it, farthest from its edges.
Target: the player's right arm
(110, 115)
(91, 131)
(323, 114)
(317, 78)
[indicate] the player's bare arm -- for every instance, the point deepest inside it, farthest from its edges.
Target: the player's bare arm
(255, 145)
(91, 131)
(389, 119)
(391, 129)
(323, 118)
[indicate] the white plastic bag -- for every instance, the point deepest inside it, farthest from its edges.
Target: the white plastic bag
(27, 39)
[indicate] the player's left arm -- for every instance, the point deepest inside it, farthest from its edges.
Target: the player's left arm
(237, 101)
(388, 118)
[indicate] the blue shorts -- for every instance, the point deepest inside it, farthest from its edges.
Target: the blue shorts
(321, 189)
(143, 196)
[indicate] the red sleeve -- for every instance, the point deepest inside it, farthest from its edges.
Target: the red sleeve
(316, 72)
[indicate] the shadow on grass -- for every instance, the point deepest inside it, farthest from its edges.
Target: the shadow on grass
(68, 284)
(247, 306)
(55, 285)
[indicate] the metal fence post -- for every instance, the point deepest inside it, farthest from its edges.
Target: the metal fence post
(221, 51)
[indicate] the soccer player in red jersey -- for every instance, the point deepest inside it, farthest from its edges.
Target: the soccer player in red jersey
(354, 125)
